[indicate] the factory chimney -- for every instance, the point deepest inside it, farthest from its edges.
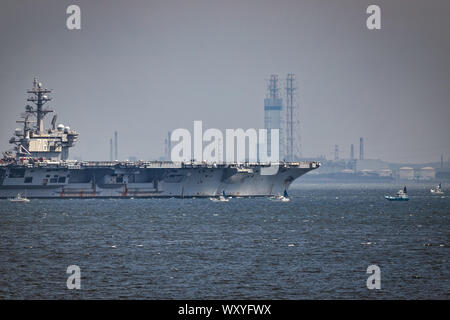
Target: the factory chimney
(169, 146)
(110, 150)
(361, 148)
(116, 153)
(352, 152)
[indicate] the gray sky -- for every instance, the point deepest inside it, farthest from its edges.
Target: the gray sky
(145, 67)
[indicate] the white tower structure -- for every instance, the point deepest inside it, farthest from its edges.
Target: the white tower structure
(273, 106)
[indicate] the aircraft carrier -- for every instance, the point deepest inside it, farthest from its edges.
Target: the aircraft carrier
(38, 166)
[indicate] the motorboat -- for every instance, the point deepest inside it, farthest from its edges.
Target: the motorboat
(281, 198)
(221, 198)
(402, 195)
(19, 198)
(437, 190)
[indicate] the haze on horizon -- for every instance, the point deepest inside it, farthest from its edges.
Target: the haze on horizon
(143, 68)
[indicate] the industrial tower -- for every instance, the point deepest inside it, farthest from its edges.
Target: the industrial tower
(293, 149)
(272, 113)
(361, 148)
(116, 143)
(111, 150)
(168, 147)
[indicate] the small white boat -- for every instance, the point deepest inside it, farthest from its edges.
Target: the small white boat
(221, 198)
(402, 195)
(19, 198)
(437, 190)
(281, 198)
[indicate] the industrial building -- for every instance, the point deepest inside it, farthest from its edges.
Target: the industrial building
(406, 173)
(385, 173)
(371, 164)
(427, 173)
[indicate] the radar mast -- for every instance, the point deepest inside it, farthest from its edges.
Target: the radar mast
(35, 140)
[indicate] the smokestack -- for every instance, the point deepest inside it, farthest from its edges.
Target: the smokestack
(116, 153)
(442, 161)
(110, 150)
(336, 152)
(352, 152)
(169, 146)
(361, 148)
(166, 152)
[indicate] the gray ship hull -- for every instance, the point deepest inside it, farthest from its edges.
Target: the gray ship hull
(145, 180)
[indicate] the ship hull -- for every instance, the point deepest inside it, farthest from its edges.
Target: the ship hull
(100, 180)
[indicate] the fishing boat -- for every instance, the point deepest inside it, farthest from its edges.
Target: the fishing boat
(402, 195)
(437, 190)
(281, 198)
(221, 198)
(19, 198)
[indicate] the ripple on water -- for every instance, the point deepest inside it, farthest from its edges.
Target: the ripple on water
(317, 246)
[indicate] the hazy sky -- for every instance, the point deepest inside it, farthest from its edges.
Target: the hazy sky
(145, 67)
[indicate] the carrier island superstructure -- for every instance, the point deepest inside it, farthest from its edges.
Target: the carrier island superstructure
(39, 167)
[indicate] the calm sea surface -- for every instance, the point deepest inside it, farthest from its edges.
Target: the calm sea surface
(318, 246)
